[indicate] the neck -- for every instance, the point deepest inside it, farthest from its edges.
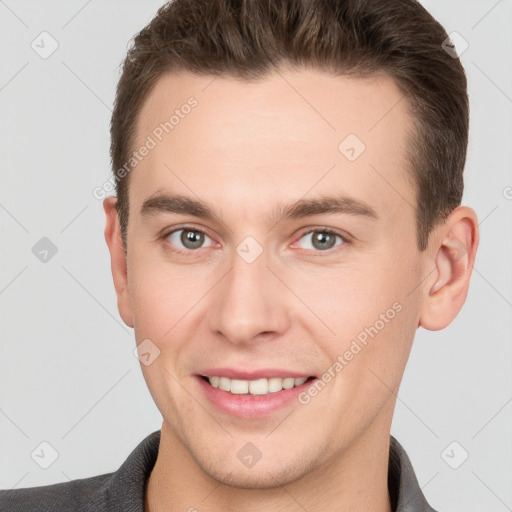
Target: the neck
(356, 480)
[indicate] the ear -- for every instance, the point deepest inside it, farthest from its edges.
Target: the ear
(118, 259)
(453, 245)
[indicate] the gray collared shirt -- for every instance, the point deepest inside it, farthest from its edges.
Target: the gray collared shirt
(123, 490)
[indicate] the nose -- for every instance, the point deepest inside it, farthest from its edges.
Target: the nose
(250, 303)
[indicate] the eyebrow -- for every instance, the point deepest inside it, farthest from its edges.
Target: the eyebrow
(161, 203)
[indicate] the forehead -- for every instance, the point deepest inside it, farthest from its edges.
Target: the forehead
(292, 133)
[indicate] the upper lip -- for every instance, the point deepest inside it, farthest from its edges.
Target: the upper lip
(233, 373)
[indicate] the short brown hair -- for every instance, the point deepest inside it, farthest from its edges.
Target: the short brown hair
(246, 39)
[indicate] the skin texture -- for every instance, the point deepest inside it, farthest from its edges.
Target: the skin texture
(247, 149)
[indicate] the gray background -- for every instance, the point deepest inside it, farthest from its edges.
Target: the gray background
(68, 374)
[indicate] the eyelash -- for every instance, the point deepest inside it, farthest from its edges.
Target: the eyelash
(187, 252)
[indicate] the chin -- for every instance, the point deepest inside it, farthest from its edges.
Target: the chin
(261, 478)
(272, 473)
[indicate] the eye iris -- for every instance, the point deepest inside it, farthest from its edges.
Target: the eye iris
(324, 239)
(192, 239)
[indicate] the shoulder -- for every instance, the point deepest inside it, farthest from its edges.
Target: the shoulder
(78, 495)
(122, 490)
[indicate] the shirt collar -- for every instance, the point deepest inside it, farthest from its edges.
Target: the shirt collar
(404, 490)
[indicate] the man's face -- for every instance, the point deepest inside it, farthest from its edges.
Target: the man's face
(248, 291)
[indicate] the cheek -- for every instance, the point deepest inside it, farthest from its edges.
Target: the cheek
(348, 299)
(367, 359)
(365, 316)
(169, 302)
(163, 298)
(160, 292)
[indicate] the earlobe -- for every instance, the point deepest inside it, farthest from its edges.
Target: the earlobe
(118, 259)
(456, 242)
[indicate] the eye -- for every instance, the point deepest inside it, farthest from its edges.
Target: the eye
(187, 238)
(322, 239)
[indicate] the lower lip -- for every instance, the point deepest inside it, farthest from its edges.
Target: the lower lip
(251, 406)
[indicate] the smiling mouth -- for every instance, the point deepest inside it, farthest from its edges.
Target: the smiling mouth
(255, 387)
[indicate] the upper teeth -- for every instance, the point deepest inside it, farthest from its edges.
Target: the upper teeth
(255, 387)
